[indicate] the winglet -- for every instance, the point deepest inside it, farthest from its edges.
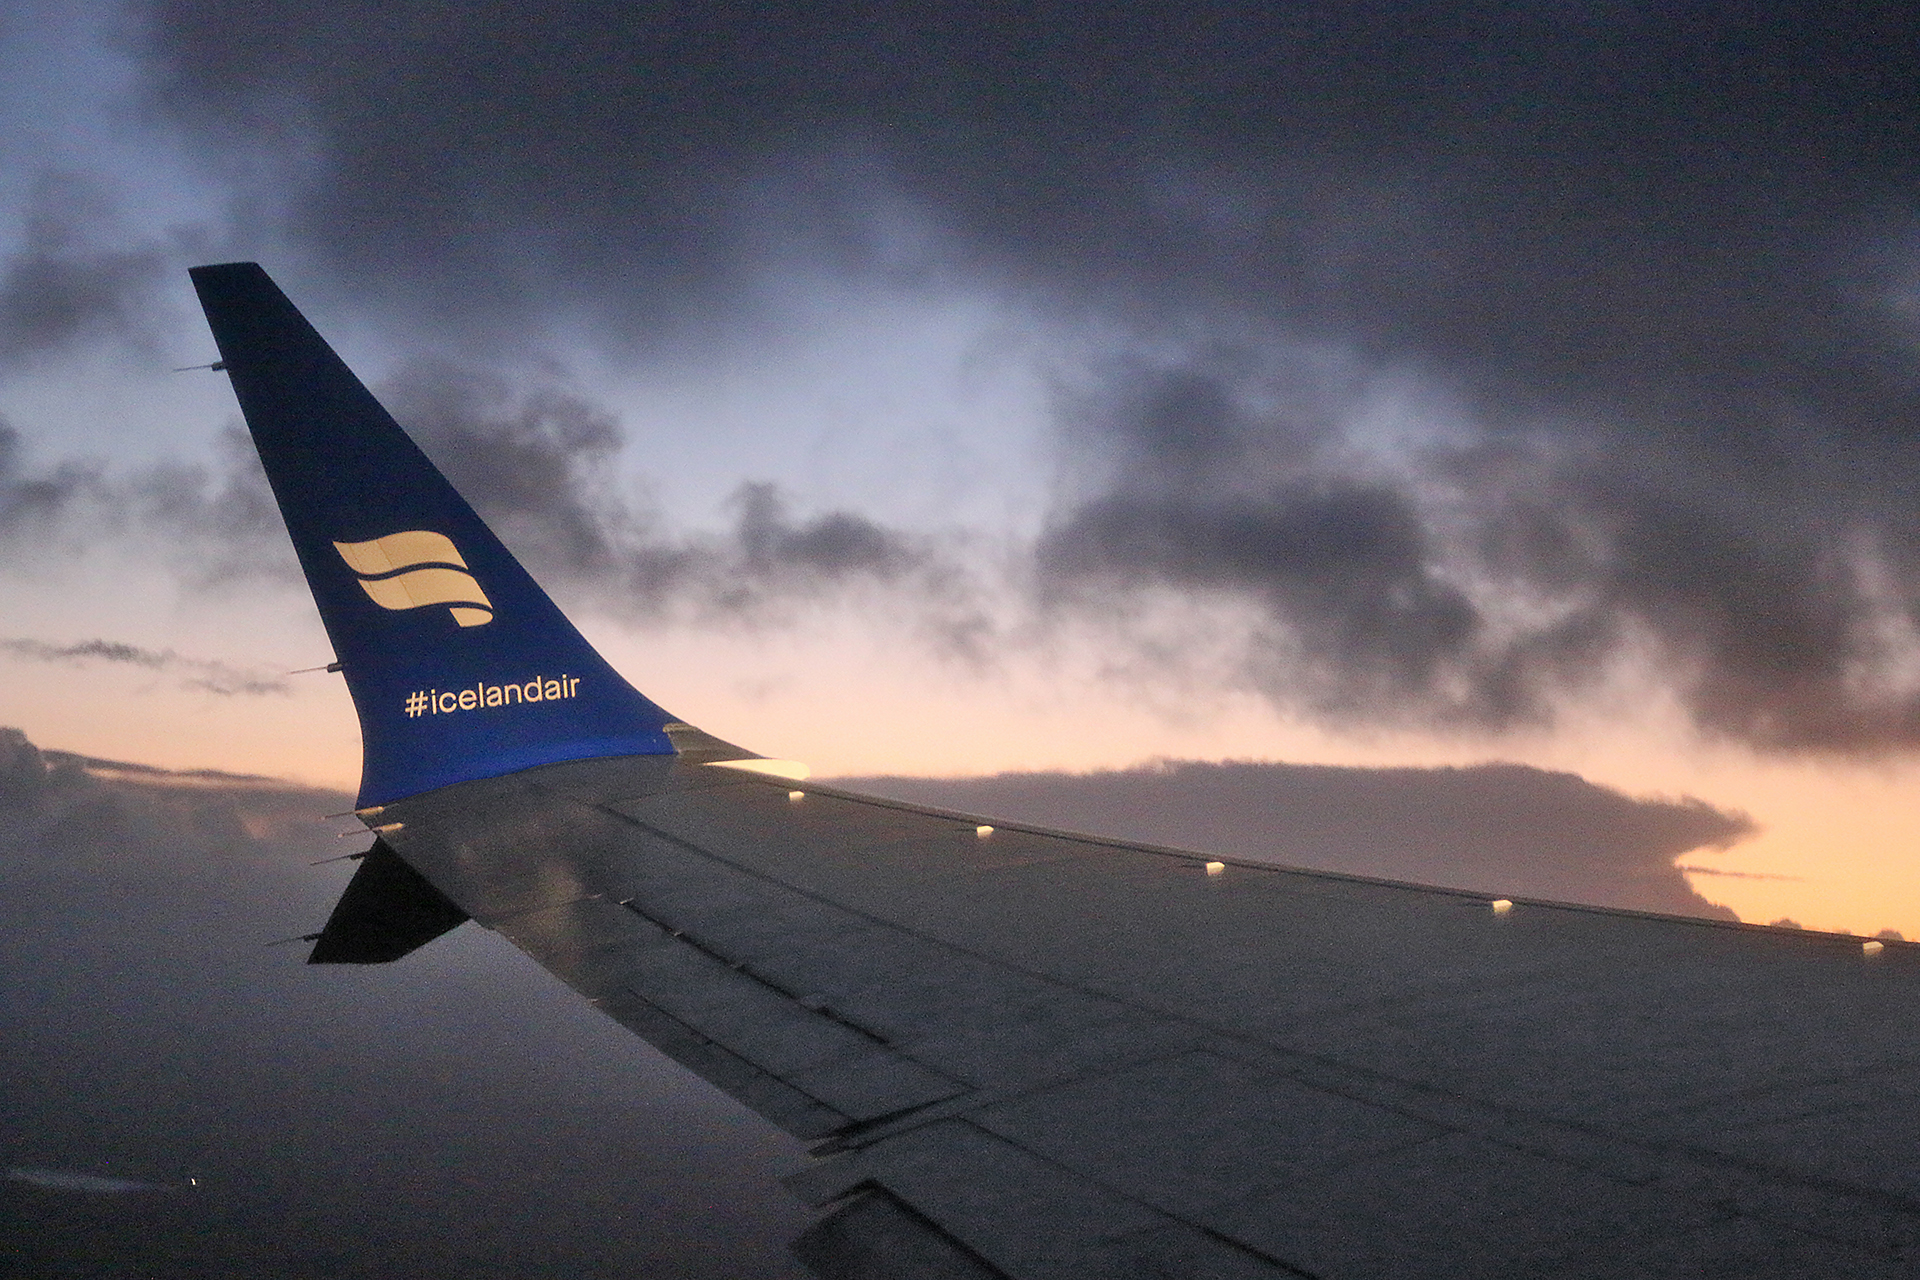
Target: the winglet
(459, 665)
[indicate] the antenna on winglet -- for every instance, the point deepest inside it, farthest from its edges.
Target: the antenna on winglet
(216, 366)
(302, 937)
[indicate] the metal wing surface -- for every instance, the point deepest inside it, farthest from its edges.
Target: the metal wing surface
(1033, 1054)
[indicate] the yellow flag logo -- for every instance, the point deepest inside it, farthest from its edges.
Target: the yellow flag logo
(417, 568)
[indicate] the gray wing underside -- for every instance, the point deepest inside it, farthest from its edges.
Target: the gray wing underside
(1037, 1055)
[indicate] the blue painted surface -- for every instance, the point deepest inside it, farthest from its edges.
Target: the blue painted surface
(343, 471)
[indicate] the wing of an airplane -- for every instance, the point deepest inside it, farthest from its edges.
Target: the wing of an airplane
(1027, 1053)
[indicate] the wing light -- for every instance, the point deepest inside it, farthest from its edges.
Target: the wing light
(1501, 906)
(792, 769)
(1216, 868)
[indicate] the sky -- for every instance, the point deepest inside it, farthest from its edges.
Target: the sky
(958, 389)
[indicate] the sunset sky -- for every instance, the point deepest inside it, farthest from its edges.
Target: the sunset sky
(949, 389)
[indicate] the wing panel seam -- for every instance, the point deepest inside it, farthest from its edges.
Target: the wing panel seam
(747, 970)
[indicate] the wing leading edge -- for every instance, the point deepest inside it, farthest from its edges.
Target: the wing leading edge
(1031, 1054)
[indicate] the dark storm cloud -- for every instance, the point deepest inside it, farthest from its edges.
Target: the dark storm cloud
(194, 673)
(1453, 177)
(1776, 580)
(1501, 829)
(1651, 274)
(1347, 567)
(72, 282)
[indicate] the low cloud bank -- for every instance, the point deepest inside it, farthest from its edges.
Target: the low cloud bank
(1502, 828)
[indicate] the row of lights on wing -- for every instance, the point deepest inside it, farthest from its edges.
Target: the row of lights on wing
(982, 831)
(1501, 906)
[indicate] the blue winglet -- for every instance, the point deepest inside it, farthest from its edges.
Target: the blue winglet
(459, 665)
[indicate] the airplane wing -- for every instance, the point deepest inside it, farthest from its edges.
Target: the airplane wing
(1026, 1053)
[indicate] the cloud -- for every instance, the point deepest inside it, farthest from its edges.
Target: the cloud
(32, 502)
(1505, 829)
(541, 464)
(1441, 181)
(1638, 289)
(1346, 567)
(1476, 580)
(195, 673)
(1737, 875)
(390, 1112)
(216, 520)
(537, 462)
(64, 288)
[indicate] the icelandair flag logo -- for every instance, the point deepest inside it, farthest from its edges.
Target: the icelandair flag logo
(415, 569)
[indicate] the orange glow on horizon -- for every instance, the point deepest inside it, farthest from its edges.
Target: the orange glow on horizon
(1835, 849)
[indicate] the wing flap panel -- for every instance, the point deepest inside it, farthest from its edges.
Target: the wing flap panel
(602, 948)
(1030, 1218)
(876, 1236)
(1445, 1208)
(796, 1112)
(1194, 1131)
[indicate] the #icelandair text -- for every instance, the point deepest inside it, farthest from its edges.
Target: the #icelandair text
(445, 702)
